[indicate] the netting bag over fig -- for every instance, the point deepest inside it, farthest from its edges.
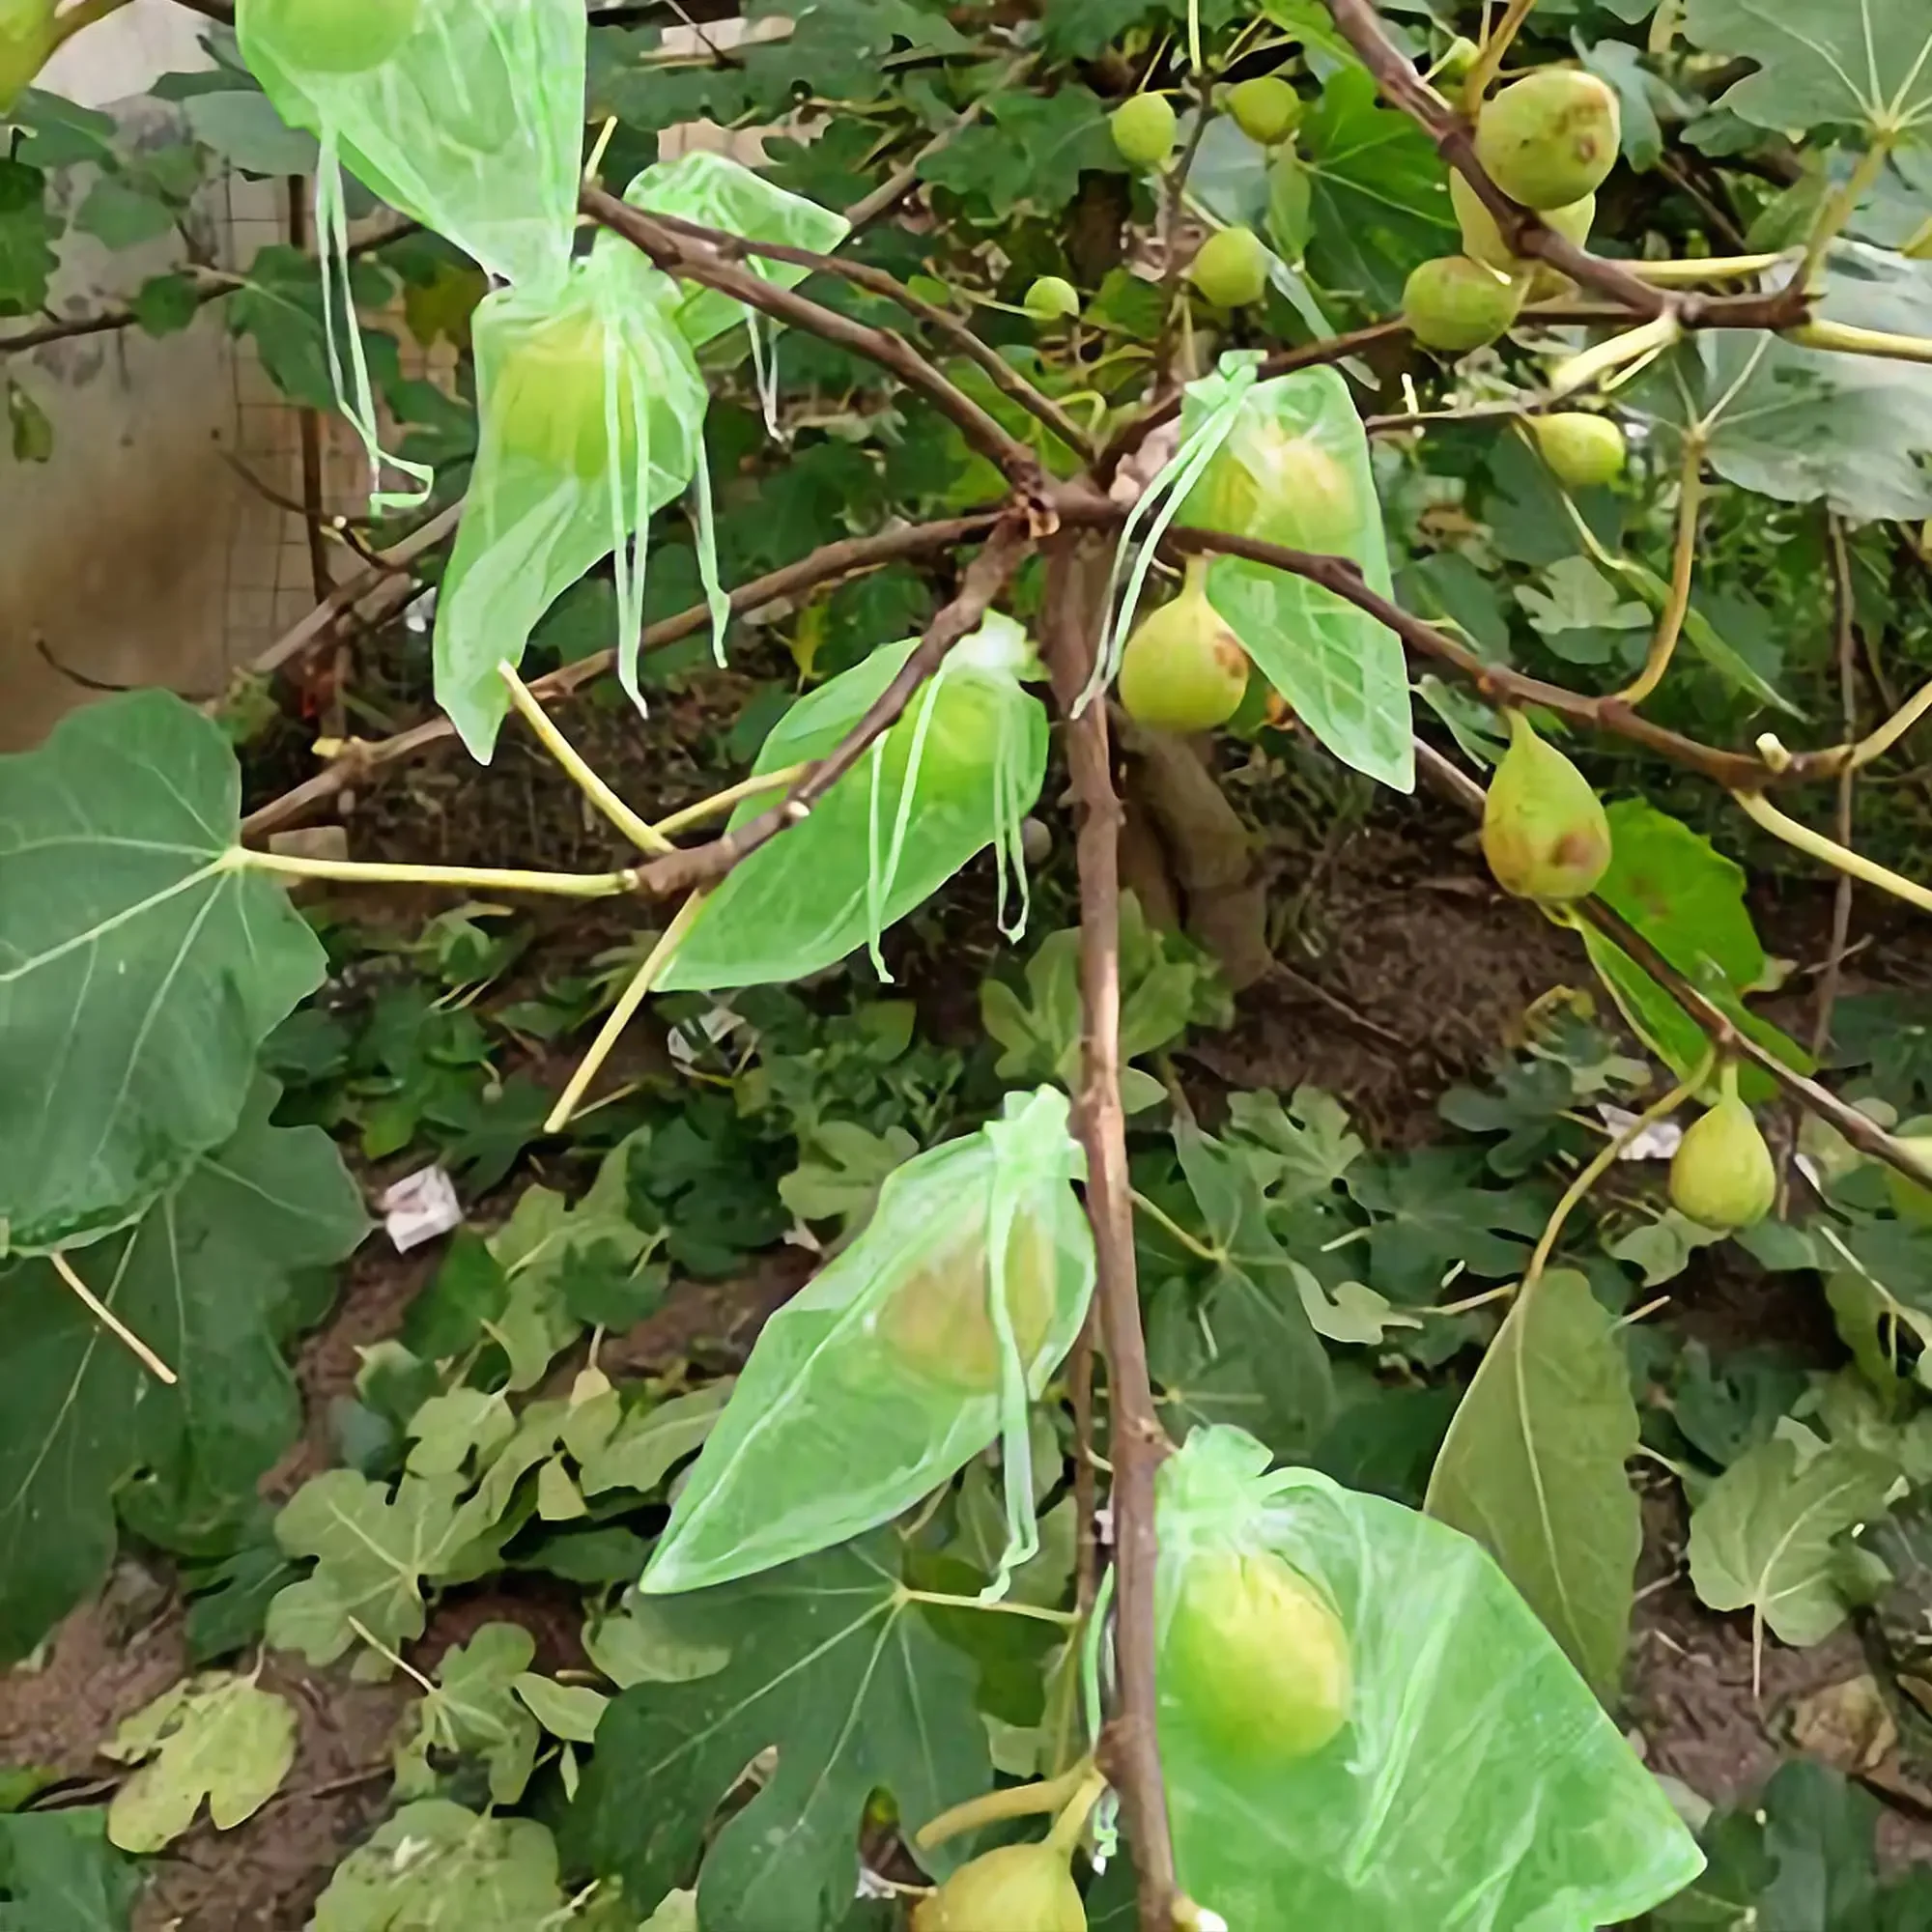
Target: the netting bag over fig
(914, 1350)
(1362, 1724)
(592, 417)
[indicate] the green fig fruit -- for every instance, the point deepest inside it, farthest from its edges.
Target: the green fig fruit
(1910, 1201)
(27, 36)
(546, 405)
(1183, 670)
(1275, 482)
(334, 36)
(1144, 129)
(1266, 111)
(1254, 1658)
(1231, 270)
(1584, 451)
(1459, 58)
(1052, 299)
(1545, 834)
(1722, 1175)
(1015, 1888)
(939, 1325)
(1454, 304)
(1482, 241)
(1551, 139)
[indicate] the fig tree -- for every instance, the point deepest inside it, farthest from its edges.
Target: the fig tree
(1545, 834)
(333, 36)
(1721, 1175)
(1584, 451)
(1051, 299)
(1266, 111)
(547, 402)
(1255, 1658)
(938, 1324)
(1454, 304)
(1482, 241)
(1232, 268)
(27, 36)
(1551, 139)
(1183, 668)
(1144, 129)
(1013, 1888)
(1274, 481)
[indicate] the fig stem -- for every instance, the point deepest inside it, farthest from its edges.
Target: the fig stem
(1072, 1819)
(1651, 338)
(1014, 1801)
(1814, 844)
(1166, 1221)
(1488, 60)
(1683, 567)
(1840, 206)
(722, 801)
(575, 767)
(1849, 340)
(1603, 1160)
(940, 1600)
(1877, 743)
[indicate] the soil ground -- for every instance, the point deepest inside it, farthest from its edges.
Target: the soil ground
(1438, 967)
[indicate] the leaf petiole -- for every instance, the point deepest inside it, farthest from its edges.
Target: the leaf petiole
(478, 878)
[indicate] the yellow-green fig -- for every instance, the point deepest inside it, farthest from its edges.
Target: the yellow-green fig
(1910, 1201)
(1545, 834)
(1052, 299)
(1266, 111)
(1144, 129)
(1551, 139)
(1232, 268)
(938, 1321)
(1458, 58)
(333, 36)
(27, 36)
(1273, 481)
(1482, 241)
(1183, 668)
(1584, 451)
(1015, 1888)
(1255, 1658)
(1454, 304)
(1721, 1175)
(548, 403)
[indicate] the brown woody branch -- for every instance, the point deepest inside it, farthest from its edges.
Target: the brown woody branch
(1735, 770)
(1859, 1129)
(844, 558)
(1131, 1754)
(1525, 231)
(693, 261)
(875, 281)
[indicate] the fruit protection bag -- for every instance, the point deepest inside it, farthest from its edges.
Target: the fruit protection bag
(1285, 462)
(959, 772)
(591, 417)
(466, 115)
(1474, 1781)
(903, 1358)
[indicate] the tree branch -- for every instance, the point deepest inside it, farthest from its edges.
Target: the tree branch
(695, 262)
(844, 558)
(1076, 575)
(995, 366)
(1859, 1129)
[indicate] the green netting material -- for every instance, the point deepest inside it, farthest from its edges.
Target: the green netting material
(1477, 1786)
(592, 414)
(957, 773)
(903, 1358)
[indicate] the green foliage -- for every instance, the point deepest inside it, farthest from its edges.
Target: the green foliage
(58, 1874)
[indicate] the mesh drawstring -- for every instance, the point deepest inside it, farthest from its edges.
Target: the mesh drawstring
(878, 879)
(628, 539)
(715, 599)
(1015, 1440)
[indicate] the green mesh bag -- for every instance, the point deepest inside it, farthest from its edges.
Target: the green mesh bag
(1362, 1724)
(592, 417)
(903, 1358)
(957, 773)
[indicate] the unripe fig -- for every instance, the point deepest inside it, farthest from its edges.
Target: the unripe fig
(1052, 297)
(1910, 1201)
(1256, 1658)
(1458, 58)
(1584, 451)
(1015, 1888)
(1482, 241)
(1183, 668)
(1544, 830)
(1144, 129)
(1454, 304)
(27, 36)
(1232, 268)
(1266, 111)
(1721, 1175)
(1276, 483)
(939, 1325)
(1551, 139)
(548, 404)
(333, 36)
